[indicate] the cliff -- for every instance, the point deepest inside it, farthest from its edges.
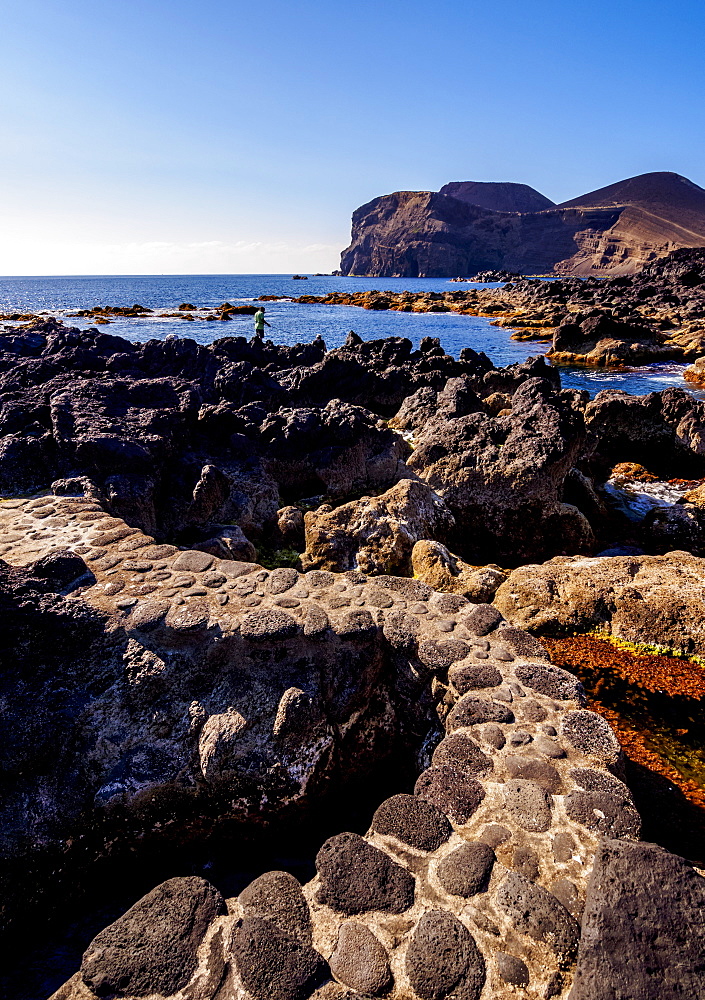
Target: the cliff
(471, 226)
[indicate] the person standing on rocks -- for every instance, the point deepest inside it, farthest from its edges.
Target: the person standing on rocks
(260, 323)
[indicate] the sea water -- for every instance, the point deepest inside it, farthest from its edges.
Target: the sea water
(292, 322)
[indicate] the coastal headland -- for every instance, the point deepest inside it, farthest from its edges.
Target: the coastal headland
(239, 579)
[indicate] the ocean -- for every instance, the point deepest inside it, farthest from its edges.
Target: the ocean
(292, 322)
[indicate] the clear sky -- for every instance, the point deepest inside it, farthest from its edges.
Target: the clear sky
(140, 136)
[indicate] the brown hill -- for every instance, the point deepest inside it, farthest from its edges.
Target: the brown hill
(498, 197)
(615, 230)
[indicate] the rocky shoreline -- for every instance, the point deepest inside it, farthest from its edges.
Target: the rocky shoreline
(236, 577)
(657, 314)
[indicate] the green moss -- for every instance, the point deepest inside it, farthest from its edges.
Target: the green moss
(275, 558)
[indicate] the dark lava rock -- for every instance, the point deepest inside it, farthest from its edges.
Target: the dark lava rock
(443, 959)
(604, 813)
(451, 791)
(272, 965)
(463, 754)
(643, 929)
(356, 877)
(468, 676)
(152, 948)
(600, 781)
(534, 769)
(564, 846)
(359, 960)
(522, 644)
(483, 619)
(512, 969)
(591, 734)
(538, 913)
(466, 870)
(469, 711)
(268, 624)
(526, 863)
(277, 896)
(413, 821)
(551, 681)
(62, 571)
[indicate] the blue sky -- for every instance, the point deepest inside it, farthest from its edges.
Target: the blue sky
(146, 137)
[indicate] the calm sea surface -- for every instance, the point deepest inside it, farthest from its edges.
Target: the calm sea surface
(292, 323)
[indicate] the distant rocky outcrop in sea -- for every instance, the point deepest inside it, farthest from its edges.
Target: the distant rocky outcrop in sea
(470, 226)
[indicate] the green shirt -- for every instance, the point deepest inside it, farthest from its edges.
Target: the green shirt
(259, 320)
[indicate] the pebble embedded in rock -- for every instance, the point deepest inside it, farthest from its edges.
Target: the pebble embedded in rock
(604, 813)
(549, 747)
(356, 877)
(493, 736)
(152, 948)
(466, 870)
(564, 847)
(525, 861)
(277, 896)
(192, 561)
(413, 821)
(357, 625)
(483, 619)
(443, 959)
(512, 969)
(469, 711)
(453, 792)
(534, 769)
(591, 734)
(282, 579)
(551, 681)
(528, 804)
(359, 960)
(268, 624)
(537, 913)
(463, 754)
(273, 965)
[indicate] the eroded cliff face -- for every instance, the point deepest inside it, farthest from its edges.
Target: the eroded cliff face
(614, 230)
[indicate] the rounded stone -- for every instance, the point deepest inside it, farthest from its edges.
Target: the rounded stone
(548, 747)
(526, 863)
(268, 624)
(469, 711)
(494, 736)
(494, 835)
(438, 656)
(463, 754)
(551, 681)
(413, 821)
(531, 711)
(502, 654)
(137, 566)
(192, 561)
(213, 579)
(537, 913)
(148, 615)
(534, 769)
(442, 958)
(152, 948)
(454, 793)
(271, 964)
(528, 804)
(282, 579)
(191, 617)
(356, 877)
(277, 896)
(564, 847)
(357, 625)
(316, 621)
(591, 734)
(466, 871)
(378, 598)
(521, 643)
(359, 960)
(483, 619)
(468, 676)
(604, 813)
(567, 894)
(319, 578)
(512, 969)
(600, 781)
